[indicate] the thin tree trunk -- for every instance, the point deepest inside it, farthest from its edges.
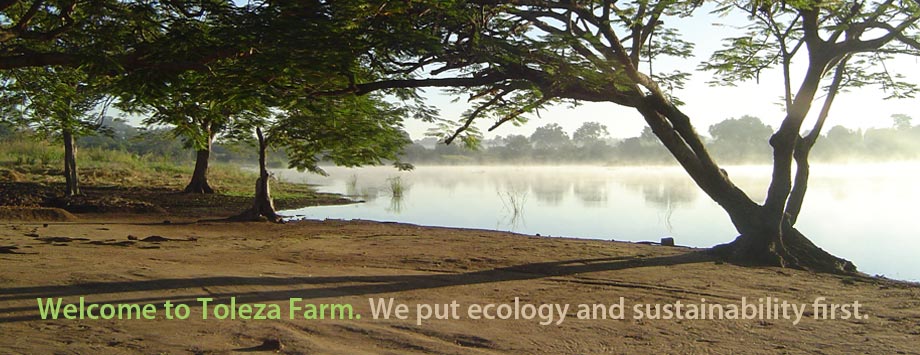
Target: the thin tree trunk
(70, 164)
(784, 142)
(199, 183)
(263, 208)
(804, 145)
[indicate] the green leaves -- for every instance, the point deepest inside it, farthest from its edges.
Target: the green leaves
(51, 100)
(871, 70)
(348, 131)
(742, 59)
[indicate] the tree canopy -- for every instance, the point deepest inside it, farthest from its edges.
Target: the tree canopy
(523, 55)
(508, 58)
(58, 103)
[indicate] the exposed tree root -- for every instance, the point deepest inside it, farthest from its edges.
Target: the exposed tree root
(198, 186)
(792, 250)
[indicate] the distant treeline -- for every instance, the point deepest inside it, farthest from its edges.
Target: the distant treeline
(118, 135)
(742, 140)
(732, 141)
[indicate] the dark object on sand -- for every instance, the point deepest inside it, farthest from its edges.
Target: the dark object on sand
(158, 239)
(667, 241)
(9, 249)
(53, 240)
(267, 345)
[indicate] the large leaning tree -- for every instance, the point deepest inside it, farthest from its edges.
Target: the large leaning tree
(515, 56)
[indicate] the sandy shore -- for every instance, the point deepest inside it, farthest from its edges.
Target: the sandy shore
(107, 260)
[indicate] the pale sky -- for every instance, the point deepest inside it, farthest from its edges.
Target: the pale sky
(858, 108)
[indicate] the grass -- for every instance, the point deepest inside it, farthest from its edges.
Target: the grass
(396, 186)
(514, 200)
(42, 161)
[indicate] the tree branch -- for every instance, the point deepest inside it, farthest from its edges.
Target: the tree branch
(857, 45)
(803, 149)
(5, 4)
(519, 112)
(474, 115)
(365, 88)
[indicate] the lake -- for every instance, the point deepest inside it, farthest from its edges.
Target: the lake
(865, 212)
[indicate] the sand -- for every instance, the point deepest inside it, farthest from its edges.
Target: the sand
(106, 260)
(35, 214)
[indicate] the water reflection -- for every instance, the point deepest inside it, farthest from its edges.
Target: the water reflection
(396, 204)
(351, 186)
(841, 212)
(665, 195)
(550, 192)
(591, 192)
(513, 198)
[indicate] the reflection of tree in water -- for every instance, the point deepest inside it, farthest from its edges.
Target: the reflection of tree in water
(591, 192)
(550, 191)
(447, 182)
(368, 193)
(354, 190)
(665, 193)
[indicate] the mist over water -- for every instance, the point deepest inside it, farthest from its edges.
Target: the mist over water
(862, 212)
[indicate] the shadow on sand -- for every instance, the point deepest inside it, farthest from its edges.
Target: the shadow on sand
(367, 285)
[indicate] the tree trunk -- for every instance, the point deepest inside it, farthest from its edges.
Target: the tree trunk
(70, 164)
(199, 183)
(263, 208)
(785, 248)
(766, 237)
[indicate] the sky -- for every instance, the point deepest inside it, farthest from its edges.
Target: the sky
(706, 105)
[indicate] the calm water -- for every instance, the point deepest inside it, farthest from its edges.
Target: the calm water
(865, 213)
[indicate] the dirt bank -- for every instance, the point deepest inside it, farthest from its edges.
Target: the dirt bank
(116, 260)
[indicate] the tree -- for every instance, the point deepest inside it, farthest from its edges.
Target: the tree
(303, 53)
(200, 106)
(590, 133)
(152, 39)
(544, 52)
(549, 137)
(59, 103)
(591, 139)
(742, 139)
(516, 146)
(114, 134)
(901, 121)
(840, 142)
(347, 130)
(6, 130)
(153, 42)
(645, 149)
